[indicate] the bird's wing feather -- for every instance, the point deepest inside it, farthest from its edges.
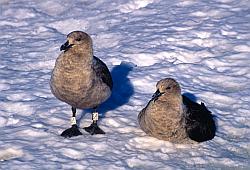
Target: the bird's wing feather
(200, 125)
(102, 71)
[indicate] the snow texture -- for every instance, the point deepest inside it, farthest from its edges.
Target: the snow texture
(204, 45)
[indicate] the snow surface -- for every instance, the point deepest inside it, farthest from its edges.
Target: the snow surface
(205, 45)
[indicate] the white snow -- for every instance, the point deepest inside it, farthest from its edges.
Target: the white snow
(205, 45)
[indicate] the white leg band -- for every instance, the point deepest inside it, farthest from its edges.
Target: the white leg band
(95, 116)
(73, 121)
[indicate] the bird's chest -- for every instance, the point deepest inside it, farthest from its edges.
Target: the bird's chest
(163, 113)
(70, 79)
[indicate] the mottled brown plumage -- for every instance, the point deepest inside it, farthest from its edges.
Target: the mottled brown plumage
(77, 78)
(80, 79)
(166, 117)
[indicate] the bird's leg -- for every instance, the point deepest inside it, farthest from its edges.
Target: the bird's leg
(93, 128)
(73, 131)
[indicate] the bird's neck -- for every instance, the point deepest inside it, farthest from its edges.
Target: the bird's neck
(171, 98)
(76, 61)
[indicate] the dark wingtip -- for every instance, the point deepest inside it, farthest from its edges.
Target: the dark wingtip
(202, 104)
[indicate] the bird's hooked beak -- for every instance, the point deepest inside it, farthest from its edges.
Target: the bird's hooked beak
(156, 95)
(66, 46)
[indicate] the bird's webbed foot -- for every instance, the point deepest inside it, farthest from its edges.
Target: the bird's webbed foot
(73, 131)
(94, 129)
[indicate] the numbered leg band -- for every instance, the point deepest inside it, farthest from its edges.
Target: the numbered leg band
(73, 121)
(95, 116)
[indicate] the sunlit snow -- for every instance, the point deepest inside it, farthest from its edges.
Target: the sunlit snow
(204, 45)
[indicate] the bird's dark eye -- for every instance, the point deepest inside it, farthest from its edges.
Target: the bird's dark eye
(168, 88)
(78, 39)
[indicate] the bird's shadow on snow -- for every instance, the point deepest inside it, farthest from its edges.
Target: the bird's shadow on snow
(122, 88)
(190, 96)
(121, 92)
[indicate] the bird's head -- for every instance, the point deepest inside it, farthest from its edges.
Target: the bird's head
(77, 40)
(165, 88)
